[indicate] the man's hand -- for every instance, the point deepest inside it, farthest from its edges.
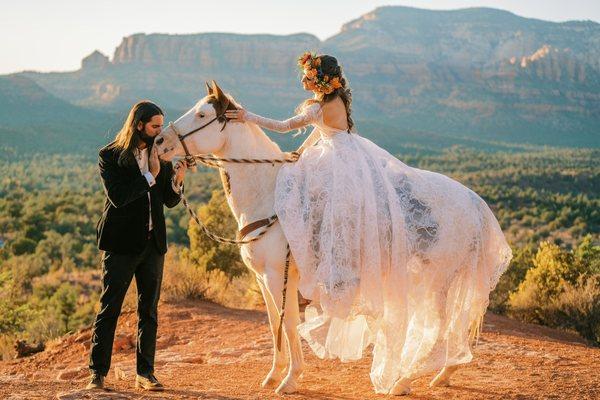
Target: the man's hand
(180, 168)
(153, 162)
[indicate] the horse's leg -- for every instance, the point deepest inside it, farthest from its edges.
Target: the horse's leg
(401, 387)
(279, 360)
(290, 327)
(443, 377)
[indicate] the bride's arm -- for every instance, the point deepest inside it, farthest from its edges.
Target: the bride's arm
(306, 117)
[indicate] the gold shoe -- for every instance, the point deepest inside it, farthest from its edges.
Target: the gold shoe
(148, 382)
(96, 382)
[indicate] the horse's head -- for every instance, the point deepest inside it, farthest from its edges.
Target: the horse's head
(200, 130)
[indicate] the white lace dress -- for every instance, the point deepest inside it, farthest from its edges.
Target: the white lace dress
(390, 255)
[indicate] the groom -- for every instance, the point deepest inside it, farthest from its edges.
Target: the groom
(132, 233)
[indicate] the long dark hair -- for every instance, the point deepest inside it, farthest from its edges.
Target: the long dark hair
(329, 66)
(128, 138)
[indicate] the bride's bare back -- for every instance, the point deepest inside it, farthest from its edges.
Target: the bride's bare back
(334, 114)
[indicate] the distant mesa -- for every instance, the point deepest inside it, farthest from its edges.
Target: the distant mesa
(476, 73)
(96, 60)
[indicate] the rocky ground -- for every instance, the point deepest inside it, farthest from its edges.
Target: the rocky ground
(206, 351)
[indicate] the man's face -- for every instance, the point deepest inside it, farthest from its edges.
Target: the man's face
(153, 127)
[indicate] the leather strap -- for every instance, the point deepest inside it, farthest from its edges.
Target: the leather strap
(254, 226)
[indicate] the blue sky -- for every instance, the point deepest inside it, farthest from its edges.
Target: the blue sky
(55, 35)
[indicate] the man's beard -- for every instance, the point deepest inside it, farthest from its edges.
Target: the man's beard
(149, 140)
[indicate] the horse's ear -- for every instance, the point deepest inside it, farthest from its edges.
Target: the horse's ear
(208, 88)
(221, 97)
(217, 90)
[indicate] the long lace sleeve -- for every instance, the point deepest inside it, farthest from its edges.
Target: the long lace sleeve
(306, 117)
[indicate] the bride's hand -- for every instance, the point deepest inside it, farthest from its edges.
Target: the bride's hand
(236, 115)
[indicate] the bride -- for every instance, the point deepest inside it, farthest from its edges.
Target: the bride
(389, 255)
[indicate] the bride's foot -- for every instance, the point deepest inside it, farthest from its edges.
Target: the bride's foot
(401, 387)
(443, 378)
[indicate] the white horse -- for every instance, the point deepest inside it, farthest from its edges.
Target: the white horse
(250, 194)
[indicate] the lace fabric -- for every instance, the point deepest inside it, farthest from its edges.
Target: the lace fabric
(309, 115)
(392, 256)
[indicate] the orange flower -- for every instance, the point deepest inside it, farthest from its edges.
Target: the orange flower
(335, 83)
(311, 73)
(306, 56)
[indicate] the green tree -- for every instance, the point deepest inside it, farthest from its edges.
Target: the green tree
(207, 253)
(65, 301)
(22, 245)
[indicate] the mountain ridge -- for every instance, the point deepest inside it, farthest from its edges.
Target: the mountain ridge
(481, 73)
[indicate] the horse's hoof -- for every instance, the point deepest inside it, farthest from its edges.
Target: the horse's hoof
(443, 378)
(286, 387)
(401, 388)
(270, 381)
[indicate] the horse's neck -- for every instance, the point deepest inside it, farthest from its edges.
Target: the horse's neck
(249, 187)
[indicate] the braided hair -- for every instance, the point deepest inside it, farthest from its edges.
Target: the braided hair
(329, 66)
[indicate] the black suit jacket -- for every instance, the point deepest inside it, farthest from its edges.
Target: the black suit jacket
(123, 226)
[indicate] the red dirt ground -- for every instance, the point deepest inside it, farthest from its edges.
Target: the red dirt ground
(206, 351)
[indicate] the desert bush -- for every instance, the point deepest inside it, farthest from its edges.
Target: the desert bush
(207, 254)
(578, 308)
(184, 279)
(7, 351)
(562, 289)
(521, 262)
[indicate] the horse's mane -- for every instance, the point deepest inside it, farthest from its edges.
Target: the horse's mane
(256, 130)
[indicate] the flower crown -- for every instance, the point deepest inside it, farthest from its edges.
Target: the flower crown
(310, 64)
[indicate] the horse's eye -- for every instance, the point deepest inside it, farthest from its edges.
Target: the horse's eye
(201, 114)
(160, 140)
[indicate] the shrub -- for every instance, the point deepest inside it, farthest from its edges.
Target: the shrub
(185, 280)
(510, 280)
(22, 245)
(208, 254)
(578, 307)
(562, 289)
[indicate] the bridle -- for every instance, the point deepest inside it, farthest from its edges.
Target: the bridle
(189, 157)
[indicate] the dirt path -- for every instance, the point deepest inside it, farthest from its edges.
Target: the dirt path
(206, 351)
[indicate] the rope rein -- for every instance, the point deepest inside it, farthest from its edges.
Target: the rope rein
(216, 162)
(217, 238)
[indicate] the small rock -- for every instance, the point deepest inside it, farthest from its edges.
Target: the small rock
(96, 395)
(123, 372)
(73, 373)
(123, 342)
(24, 349)
(166, 341)
(193, 360)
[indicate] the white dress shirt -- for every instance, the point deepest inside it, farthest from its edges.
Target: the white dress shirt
(141, 157)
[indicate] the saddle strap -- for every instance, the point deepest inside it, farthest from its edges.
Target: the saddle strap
(254, 226)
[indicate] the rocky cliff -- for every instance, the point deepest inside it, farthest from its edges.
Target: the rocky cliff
(475, 72)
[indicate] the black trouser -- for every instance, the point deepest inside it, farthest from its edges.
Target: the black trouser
(118, 271)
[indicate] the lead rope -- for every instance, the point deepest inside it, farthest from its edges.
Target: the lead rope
(217, 238)
(285, 279)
